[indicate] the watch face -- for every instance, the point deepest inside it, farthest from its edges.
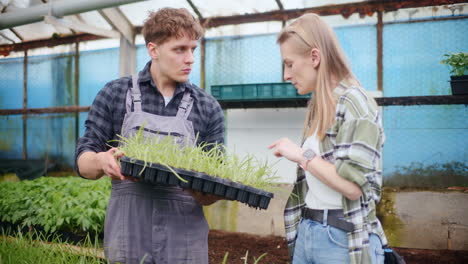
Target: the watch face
(309, 154)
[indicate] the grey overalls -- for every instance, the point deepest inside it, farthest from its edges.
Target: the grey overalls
(162, 223)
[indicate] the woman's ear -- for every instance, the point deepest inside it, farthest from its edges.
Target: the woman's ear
(152, 50)
(315, 57)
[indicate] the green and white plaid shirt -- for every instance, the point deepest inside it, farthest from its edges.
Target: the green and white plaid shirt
(354, 144)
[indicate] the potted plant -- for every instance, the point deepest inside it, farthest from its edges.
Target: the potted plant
(458, 64)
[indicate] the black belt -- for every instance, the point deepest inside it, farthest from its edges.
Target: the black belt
(335, 218)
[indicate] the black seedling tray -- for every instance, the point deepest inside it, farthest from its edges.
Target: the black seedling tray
(157, 173)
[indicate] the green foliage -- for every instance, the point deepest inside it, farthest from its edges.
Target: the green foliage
(26, 249)
(207, 158)
(67, 204)
(429, 176)
(457, 62)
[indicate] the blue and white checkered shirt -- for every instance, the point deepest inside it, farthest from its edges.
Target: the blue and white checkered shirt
(107, 112)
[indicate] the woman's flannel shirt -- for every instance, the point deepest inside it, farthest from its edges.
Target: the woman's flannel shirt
(354, 144)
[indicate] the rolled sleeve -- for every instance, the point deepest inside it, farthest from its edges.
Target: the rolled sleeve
(358, 150)
(98, 126)
(215, 126)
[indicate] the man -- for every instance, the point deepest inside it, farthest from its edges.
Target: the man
(160, 224)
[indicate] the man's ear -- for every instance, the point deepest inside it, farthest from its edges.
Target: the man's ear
(153, 50)
(315, 57)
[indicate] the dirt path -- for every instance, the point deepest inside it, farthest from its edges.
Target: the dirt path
(237, 245)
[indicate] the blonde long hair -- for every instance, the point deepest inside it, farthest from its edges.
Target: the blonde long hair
(308, 32)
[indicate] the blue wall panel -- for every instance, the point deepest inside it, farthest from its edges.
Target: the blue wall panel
(359, 44)
(52, 137)
(241, 60)
(411, 55)
(11, 137)
(426, 134)
(96, 69)
(51, 81)
(11, 83)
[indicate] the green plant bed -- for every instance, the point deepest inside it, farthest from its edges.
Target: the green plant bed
(70, 206)
(76, 237)
(38, 249)
(207, 168)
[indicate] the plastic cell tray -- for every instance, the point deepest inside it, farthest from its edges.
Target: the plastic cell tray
(256, 91)
(159, 174)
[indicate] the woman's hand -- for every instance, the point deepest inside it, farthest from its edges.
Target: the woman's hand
(284, 147)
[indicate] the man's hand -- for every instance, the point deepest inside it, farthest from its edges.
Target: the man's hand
(204, 198)
(108, 163)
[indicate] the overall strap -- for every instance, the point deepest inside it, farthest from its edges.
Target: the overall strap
(185, 105)
(134, 95)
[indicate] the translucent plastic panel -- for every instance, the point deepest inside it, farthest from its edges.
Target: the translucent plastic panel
(51, 81)
(138, 12)
(293, 4)
(96, 69)
(425, 134)
(244, 29)
(11, 83)
(52, 137)
(209, 8)
(39, 30)
(241, 60)
(359, 44)
(11, 137)
(93, 18)
(412, 53)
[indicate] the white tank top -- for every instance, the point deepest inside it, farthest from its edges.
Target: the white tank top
(319, 196)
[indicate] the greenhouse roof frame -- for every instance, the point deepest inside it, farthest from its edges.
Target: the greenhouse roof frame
(128, 30)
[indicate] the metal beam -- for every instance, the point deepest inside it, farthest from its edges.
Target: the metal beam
(195, 9)
(119, 22)
(82, 27)
(280, 5)
(381, 101)
(25, 105)
(57, 8)
(6, 49)
(48, 110)
(300, 102)
(363, 8)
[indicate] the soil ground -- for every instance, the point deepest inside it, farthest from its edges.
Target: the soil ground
(237, 244)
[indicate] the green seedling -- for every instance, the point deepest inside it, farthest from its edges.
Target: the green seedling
(211, 159)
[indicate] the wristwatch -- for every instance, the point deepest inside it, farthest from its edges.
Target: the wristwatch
(308, 155)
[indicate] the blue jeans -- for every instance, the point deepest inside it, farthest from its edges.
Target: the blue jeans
(317, 243)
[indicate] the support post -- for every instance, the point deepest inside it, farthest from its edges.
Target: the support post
(77, 89)
(25, 105)
(127, 59)
(379, 52)
(202, 62)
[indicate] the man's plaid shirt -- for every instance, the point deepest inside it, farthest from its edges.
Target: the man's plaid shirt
(354, 144)
(107, 112)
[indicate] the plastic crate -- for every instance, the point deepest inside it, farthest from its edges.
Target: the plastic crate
(258, 91)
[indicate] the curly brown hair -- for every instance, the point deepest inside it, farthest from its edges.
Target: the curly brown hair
(166, 23)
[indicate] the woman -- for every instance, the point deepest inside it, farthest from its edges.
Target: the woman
(330, 216)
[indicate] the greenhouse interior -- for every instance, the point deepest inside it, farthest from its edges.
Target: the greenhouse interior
(58, 57)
